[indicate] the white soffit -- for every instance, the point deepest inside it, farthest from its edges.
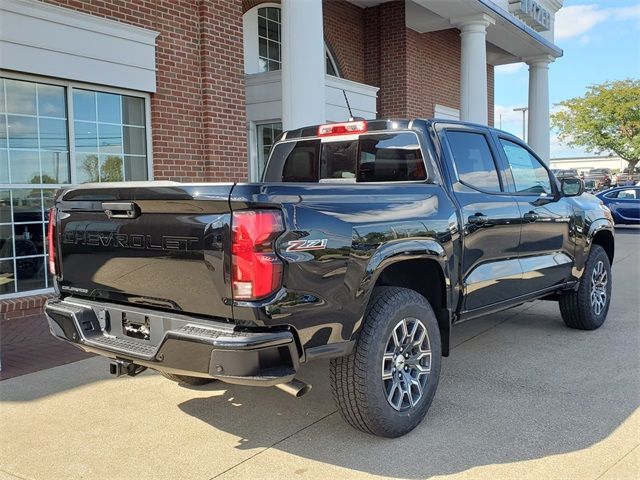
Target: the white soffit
(58, 42)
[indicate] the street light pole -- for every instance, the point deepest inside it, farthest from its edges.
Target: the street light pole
(524, 120)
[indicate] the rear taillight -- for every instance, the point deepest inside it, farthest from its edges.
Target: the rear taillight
(257, 270)
(51, 241)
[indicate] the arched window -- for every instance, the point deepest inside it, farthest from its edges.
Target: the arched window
(263, 41)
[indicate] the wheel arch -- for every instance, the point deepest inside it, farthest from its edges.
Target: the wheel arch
(604, 238)
(426, 275)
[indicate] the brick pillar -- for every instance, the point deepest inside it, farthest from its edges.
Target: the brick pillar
(223, 91)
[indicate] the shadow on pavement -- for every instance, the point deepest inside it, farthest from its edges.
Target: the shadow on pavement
(525, 389)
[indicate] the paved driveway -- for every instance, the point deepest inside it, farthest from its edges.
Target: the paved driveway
(520, 397)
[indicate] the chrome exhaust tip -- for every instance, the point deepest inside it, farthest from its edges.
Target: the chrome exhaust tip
(295, 387)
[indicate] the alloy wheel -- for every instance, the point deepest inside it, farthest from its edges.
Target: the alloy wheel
(598, 288)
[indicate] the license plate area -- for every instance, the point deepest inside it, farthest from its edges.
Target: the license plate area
(136, 325)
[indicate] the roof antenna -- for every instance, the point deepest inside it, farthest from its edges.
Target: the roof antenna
(351, 118)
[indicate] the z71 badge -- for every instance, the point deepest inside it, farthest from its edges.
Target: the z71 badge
(306, 245)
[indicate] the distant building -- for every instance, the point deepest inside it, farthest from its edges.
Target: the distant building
(587, 163)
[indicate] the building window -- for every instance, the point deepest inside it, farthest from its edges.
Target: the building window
(46, 144)
(267, 23)
(266, 136)
(109, 137)
(269, 45)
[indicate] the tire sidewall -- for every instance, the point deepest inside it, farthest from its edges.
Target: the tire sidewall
(597, 254)
(386, 320)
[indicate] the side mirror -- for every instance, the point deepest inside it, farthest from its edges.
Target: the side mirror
(572, 186)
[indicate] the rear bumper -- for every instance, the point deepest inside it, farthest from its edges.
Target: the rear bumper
(176, 344)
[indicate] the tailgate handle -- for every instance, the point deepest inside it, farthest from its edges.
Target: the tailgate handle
(121, 209)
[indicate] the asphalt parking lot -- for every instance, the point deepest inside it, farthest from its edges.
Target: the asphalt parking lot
(521, 396)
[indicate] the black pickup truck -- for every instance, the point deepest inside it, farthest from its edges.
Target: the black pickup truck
(364, 243)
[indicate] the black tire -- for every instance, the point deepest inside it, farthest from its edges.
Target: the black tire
(356, 380)
(192, 381)
(577, 309)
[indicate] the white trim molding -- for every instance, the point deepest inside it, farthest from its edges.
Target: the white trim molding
(52, 41)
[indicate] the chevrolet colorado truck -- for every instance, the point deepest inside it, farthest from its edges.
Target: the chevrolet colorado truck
(364, 243)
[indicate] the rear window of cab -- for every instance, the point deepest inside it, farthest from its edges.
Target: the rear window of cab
(380, 157)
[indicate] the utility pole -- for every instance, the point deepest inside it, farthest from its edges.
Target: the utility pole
(524, 121)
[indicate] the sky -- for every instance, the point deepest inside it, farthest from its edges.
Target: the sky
(601, 42)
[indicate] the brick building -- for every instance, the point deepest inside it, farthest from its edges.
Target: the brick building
(197, 90)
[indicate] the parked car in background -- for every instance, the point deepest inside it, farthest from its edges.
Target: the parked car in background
(603, 178)
(565, 173)
(625, 179)
(624, 203)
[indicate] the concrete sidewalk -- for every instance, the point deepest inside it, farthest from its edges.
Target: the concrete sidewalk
(520, 397)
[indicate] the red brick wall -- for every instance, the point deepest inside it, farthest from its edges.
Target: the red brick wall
(344, 32)
(198, 59)
(433, 71)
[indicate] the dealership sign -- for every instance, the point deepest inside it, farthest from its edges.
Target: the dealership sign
(531, 13)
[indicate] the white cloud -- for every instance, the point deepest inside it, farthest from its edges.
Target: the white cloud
(509, 68)
(576, 20)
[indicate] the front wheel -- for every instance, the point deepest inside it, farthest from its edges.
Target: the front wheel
(587, 307)
(386, 386)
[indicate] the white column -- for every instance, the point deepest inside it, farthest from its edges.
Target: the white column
(473, 68)
(539, 106)
(303, 64)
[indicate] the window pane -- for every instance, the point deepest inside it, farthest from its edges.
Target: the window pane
(133, 111)
(294, 162)
(27, 205)
(4, 167)
(110, 138)
(3, 131)
(109, 108)
(25, 166)
(273, 13)
(87, 168)
(6, 241)
(390, 158)
(274, 51)
(474, 161)
(3, 106)
(30, 273)
(111, 168)
(273, 31)
(53, 134)
(21, 97)
(84, 105)
(134, 141)
(28, 239)
(7, 280)
(262, 27)
(135, 168)
(338, 161)
(5, 207)
(86, 136)
(528, 174)
(51, 101)
(23, 132)
(55, 167)
(48, 196)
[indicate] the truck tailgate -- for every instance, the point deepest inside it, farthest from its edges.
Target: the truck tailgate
(163, 245)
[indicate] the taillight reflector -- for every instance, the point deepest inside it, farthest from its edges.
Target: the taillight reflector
(257, 270)
(345, 128)
(51, 241)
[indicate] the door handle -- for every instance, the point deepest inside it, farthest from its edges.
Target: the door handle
(478, 219)
(530, 217)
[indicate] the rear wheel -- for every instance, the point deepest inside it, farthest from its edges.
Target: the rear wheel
(386, 386)
(587, 307)
(193, 381)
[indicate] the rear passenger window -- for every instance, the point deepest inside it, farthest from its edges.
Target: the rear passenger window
(294, 162)
(473, 160)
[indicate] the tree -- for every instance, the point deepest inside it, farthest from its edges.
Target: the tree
(606, 118)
